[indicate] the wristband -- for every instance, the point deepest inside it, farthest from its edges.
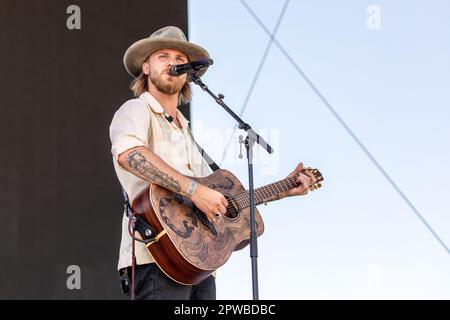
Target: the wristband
(192, 188)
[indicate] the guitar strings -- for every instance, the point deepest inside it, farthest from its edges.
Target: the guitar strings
(269, 190)
(242, 199)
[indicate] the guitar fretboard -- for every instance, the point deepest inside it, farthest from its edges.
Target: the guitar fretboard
(266, 192)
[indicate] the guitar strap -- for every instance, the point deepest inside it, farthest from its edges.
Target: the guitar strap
(138, 224)
(211, 163)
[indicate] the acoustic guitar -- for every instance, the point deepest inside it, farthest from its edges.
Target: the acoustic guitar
(188, 247)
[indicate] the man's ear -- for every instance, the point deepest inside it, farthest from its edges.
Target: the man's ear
(146, 68)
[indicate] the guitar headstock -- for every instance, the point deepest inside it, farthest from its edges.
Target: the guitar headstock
(317, 175)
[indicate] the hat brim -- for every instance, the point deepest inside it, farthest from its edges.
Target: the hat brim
(140, 50)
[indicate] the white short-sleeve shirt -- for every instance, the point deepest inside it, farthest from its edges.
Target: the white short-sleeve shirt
(142, 122)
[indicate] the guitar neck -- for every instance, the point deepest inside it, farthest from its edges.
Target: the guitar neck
(267, 192)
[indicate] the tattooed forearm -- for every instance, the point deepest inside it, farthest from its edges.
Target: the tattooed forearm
(138, 162)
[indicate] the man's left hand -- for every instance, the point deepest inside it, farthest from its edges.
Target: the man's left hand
(306, 181)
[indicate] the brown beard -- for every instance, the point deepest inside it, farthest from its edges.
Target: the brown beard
(165, 87)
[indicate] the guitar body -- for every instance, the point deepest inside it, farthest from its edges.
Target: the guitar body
(190, 250)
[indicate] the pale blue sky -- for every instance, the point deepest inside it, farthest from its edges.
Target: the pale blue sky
(355, 238)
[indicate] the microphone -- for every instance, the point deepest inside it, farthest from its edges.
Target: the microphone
(190, 67)
(168, 117)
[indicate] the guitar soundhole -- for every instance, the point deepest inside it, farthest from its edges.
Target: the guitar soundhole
(232, 209)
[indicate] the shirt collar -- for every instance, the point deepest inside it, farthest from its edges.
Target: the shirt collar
(153, 103)
(157, 107)
(183, 121)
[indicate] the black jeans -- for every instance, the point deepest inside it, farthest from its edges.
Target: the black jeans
(153, 284)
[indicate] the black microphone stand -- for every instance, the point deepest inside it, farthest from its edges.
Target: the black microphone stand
(250, 140)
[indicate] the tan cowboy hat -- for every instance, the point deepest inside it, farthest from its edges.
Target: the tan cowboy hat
(165, 38)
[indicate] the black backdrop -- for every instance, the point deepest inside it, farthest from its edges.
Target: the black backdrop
(59, 88)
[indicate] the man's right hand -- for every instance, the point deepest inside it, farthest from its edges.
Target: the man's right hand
(209, 201)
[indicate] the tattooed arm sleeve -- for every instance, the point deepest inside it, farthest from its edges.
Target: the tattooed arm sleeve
(145, 164)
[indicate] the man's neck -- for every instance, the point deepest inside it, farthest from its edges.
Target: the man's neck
(168, 102)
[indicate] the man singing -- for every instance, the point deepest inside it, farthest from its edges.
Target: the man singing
(151, 143)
